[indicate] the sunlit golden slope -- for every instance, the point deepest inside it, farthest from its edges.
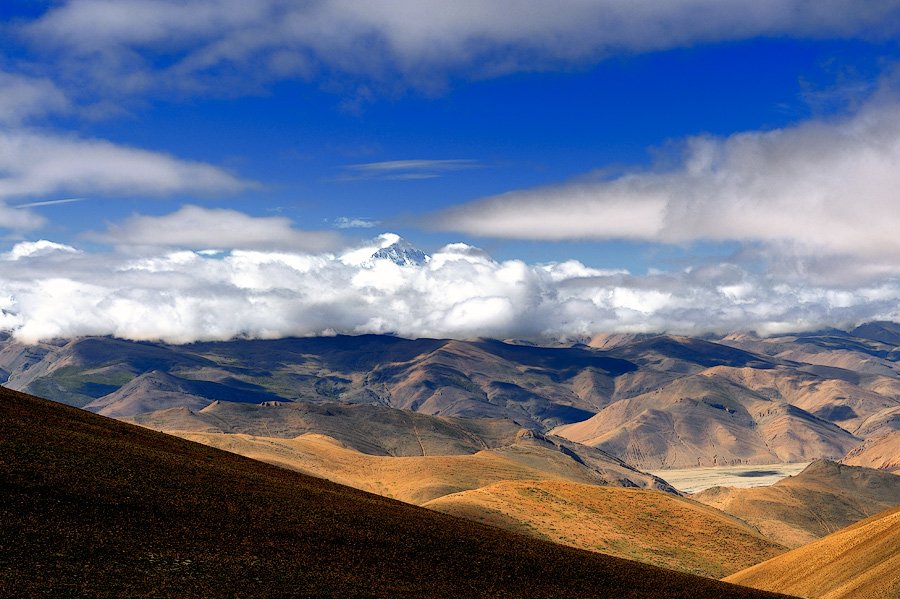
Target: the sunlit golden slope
(858, 562)
(822, 499)
(648, 526)
(412, 479)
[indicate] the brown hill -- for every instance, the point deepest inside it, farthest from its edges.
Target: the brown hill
(881, 452)
(822, 499)
(648, 526)
(707, 420)
(420, 479)
(838, 397)
(859, 562)
(94, 507)
(370, 429)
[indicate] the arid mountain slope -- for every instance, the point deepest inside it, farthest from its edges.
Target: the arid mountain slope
(647, 526)
(822, 499)
(537, 386)
(881, 452)
(705, 420)
(858, 562)
(95, 507)
(873, 348)
(371, 429)
(657, 400)
(839, 399)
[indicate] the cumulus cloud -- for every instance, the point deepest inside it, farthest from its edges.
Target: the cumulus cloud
(41, 247)
(182, 296)
(195, 227)
(38, 163)
(822, 191)
(140, 45)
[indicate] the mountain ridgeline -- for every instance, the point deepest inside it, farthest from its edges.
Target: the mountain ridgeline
(658, 401)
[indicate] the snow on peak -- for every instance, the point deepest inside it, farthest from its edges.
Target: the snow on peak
(387, 246)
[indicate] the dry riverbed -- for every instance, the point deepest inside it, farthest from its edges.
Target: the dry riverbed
(693, 480)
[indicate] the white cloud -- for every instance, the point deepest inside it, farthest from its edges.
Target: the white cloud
(42, 247)
(822, 192)
(181, 296)
(26, 97)
(194, 227)
(12, 217)
(33, 163)
(115, 43)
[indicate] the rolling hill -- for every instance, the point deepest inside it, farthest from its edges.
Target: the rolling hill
(822, 499)
(92, 506)
(858, 562)
(646, 526)
(419, 479)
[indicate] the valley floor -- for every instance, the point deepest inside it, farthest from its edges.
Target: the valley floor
(693, 480)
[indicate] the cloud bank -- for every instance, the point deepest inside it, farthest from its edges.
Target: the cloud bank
(38, 163)
(823, 193)
(135, 46)
(50, 290)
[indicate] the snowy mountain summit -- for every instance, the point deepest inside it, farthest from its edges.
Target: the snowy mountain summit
(402, 253)
(387, 246)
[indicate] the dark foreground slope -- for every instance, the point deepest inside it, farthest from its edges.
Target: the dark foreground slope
(91, 506)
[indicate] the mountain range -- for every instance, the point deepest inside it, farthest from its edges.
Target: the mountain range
(654, 401)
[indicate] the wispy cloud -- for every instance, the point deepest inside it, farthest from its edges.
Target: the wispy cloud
(25, 98)
(40, 163)
(406, 169)
(345, 222)
(198, 228)
(50, 202)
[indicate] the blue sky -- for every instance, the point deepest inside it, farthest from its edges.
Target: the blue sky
(664, 141)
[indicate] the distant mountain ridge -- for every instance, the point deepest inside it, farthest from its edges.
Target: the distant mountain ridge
(652, 400)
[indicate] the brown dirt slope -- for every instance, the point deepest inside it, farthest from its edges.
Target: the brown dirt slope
(859, 562)
(881, 452)
(411, 479)
(822, 499)
(648, 526)
(94, 507)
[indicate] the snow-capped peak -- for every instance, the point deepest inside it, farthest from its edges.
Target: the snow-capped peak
(387, 246)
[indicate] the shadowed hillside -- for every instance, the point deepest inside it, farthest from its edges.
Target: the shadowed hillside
(858, 562)
(92, 506)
